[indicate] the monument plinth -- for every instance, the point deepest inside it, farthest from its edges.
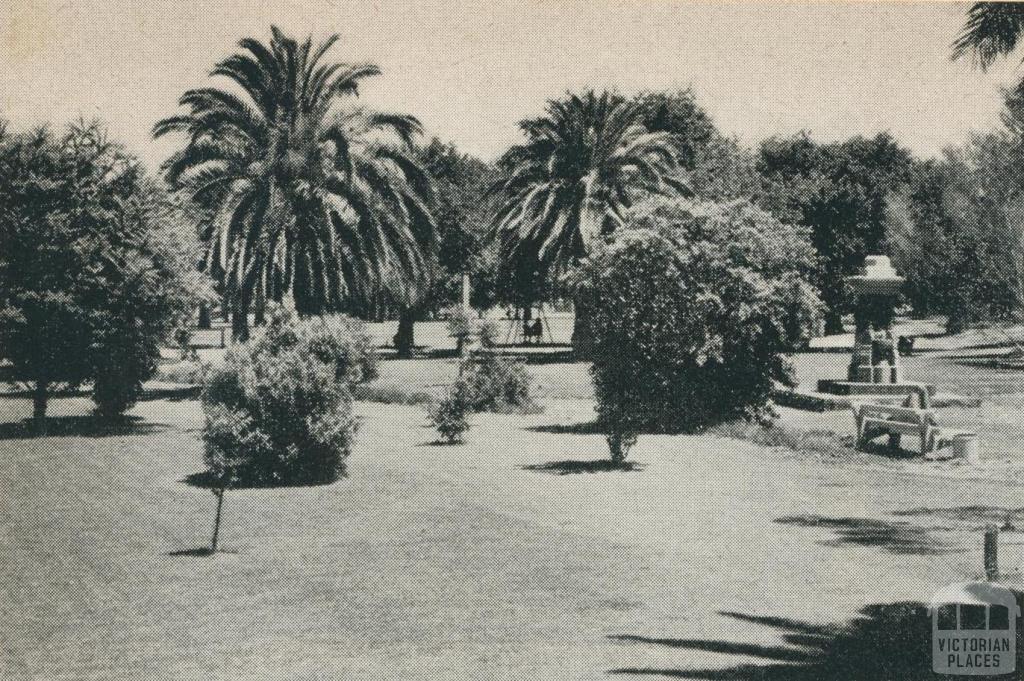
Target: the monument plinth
(875, 290)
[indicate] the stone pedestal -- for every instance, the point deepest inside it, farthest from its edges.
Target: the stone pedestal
(875, 354)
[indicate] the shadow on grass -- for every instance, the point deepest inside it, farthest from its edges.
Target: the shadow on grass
(206, 480)
(1009, 518)
(80, 426)
(202, 552)
(885, 641)
(587, 428)
(173, 394)
(900, 538)
(573, 467)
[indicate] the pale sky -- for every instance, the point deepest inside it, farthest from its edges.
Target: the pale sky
(471, 70)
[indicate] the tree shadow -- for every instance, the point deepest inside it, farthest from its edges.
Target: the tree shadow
(80, 426)
(206, 480)
(201, 552)
(1009, 518)
(587, 428)
(573, 467)
(885, 641)
(900, 538)
(180, 393)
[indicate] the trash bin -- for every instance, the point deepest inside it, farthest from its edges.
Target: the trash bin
(965, 447)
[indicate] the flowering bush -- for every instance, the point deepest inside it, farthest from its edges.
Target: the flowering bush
(694, 306)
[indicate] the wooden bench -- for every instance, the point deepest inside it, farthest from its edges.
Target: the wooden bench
(875, 420)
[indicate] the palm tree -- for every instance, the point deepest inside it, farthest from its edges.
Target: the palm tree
(298, 195)
(569, 184)
(992, 30)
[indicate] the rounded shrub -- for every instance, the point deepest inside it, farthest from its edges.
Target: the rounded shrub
(490, 333)
(450, 416)
(694, 306)
(340, 341)
(286, 398)
(491, 382)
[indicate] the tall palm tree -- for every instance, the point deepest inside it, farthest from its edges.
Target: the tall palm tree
(302, 196)
(582, 165)
(992, 30)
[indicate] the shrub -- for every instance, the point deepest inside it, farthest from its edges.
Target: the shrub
(450, 416)
(188, 372)
(491, 382)
(694, 306)
(460, 321)
(390, 394)
(490, 333)
(289, 400)
(96, 269)
(339, 341)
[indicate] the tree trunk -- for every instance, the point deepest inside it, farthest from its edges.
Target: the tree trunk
(582, 338)
(216, 522)
(405, 340)
(240, 319)
(261, 307)
(204, 316)
(40, 397)
(833, 323)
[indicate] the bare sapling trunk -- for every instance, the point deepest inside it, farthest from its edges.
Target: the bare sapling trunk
(219, 493)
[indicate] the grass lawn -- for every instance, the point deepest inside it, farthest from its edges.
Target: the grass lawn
(476, 562)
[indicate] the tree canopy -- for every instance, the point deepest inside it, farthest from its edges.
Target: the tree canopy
(307, 195)
(840, 192)
(94, 267)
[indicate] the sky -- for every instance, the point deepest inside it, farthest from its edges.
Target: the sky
(471, 70)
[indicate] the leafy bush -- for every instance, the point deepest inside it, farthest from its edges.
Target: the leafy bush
(96, 266)
(281, 405)
(390, 394)
(460, 321)
(188, 372)
(339, 341)
(491, 382)
(450, 416)
(490, 333)
(693, 307)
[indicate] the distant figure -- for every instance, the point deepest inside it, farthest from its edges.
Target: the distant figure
(905, 346)
(532, 330)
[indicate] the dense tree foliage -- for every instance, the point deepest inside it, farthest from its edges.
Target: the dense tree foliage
(95, 268)
(840, 191)
(718, 168)
(307, 198)
(279, 408)
(699, 303)
(460, 182)
(568, 185)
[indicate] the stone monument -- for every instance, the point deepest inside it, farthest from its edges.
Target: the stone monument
(875, 357)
